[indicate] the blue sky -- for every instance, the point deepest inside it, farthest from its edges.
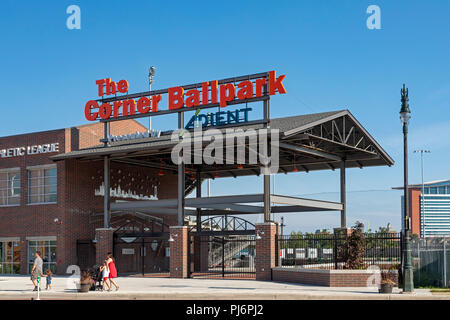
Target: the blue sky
(330, 58)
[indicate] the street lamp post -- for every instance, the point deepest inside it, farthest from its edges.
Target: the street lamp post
(405, 115)
(422, 202)
(151, 74)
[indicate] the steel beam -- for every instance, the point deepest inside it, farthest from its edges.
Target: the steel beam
(266, 197)
(343, 196)
(305, 202)
(106, 198)
(309, 151)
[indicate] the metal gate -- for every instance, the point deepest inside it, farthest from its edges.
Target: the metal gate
(224, 248)
(142, 248)
(85, 254)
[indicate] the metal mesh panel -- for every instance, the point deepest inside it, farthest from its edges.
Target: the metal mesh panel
(430, 262)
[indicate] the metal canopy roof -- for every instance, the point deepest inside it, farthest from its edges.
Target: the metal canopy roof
(309, 142)
(229, 205)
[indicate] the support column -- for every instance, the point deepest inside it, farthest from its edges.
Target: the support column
(266, 106)
(343, 196)
(267, 198)
(106, 211)
(265, 250)
(199, 195)
(179, 251)
(181, 183)
(104, 237)
(106, 132)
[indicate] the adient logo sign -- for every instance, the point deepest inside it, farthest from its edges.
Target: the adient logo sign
(205, 94)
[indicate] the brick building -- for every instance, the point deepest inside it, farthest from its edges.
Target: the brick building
(49, 206)
(429, 208)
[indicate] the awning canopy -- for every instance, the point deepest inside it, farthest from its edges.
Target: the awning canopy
(231, 205)
(309, 142)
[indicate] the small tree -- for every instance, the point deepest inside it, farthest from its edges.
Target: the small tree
(354, 250)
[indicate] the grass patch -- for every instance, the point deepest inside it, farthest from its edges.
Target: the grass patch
(439, 290)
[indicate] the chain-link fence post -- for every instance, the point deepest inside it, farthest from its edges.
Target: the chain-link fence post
(445, 264)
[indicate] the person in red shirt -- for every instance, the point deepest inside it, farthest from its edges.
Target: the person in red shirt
(112, 270)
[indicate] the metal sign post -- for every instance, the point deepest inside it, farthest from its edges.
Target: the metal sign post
(38, 285)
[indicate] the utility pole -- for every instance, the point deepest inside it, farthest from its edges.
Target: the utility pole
(422, 201)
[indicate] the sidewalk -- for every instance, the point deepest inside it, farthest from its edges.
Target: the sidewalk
(20, 287)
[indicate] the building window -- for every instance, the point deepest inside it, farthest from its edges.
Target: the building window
(42, 185)
(48, 254)
(10, 188)
(10, 257)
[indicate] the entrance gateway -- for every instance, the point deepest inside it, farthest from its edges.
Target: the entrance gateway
(323, 141)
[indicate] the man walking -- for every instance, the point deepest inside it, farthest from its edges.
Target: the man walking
(36, 271)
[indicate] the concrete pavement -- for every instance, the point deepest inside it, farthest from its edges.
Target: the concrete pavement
(20, 287)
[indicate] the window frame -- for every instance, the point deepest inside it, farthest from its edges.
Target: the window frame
(42, 186)
(9, 173)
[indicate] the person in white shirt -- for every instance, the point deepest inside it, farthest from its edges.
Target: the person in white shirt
(105, 275)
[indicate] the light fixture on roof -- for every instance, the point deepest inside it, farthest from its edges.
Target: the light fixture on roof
(161, 172)
(171, 239)
(295, 167)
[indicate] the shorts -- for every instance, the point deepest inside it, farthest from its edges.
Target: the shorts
(105, 278)
(35, 274)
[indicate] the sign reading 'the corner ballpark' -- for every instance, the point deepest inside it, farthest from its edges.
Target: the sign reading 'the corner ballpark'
(211, 93)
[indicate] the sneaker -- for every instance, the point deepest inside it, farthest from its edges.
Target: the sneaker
(35, 289)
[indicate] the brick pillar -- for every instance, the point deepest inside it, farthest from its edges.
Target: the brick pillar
(265, 250)
(201, 253)
(24, 257)
(277, 246)
(179, 252)
(104, 237)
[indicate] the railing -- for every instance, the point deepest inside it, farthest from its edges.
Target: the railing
(327, 251)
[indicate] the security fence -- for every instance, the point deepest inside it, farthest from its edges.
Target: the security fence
(431, 262)
(328, 251)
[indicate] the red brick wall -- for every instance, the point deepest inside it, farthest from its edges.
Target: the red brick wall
(329, 278)
(414, 195)
(32, 220)
(104, 244)
(89, 135)
(77, 181)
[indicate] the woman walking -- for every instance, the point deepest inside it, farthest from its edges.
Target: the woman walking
(112, 270)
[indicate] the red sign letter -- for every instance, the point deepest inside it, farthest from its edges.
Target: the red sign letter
(122, 86)
(276, 83)
(143, 105)
(105, 111)
(100, 84)
(91, 104)
(192, 98)
(245, 90)
(226, 94)
(176, 94)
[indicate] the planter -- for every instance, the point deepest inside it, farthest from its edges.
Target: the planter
(385, 288)
(84, 287)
